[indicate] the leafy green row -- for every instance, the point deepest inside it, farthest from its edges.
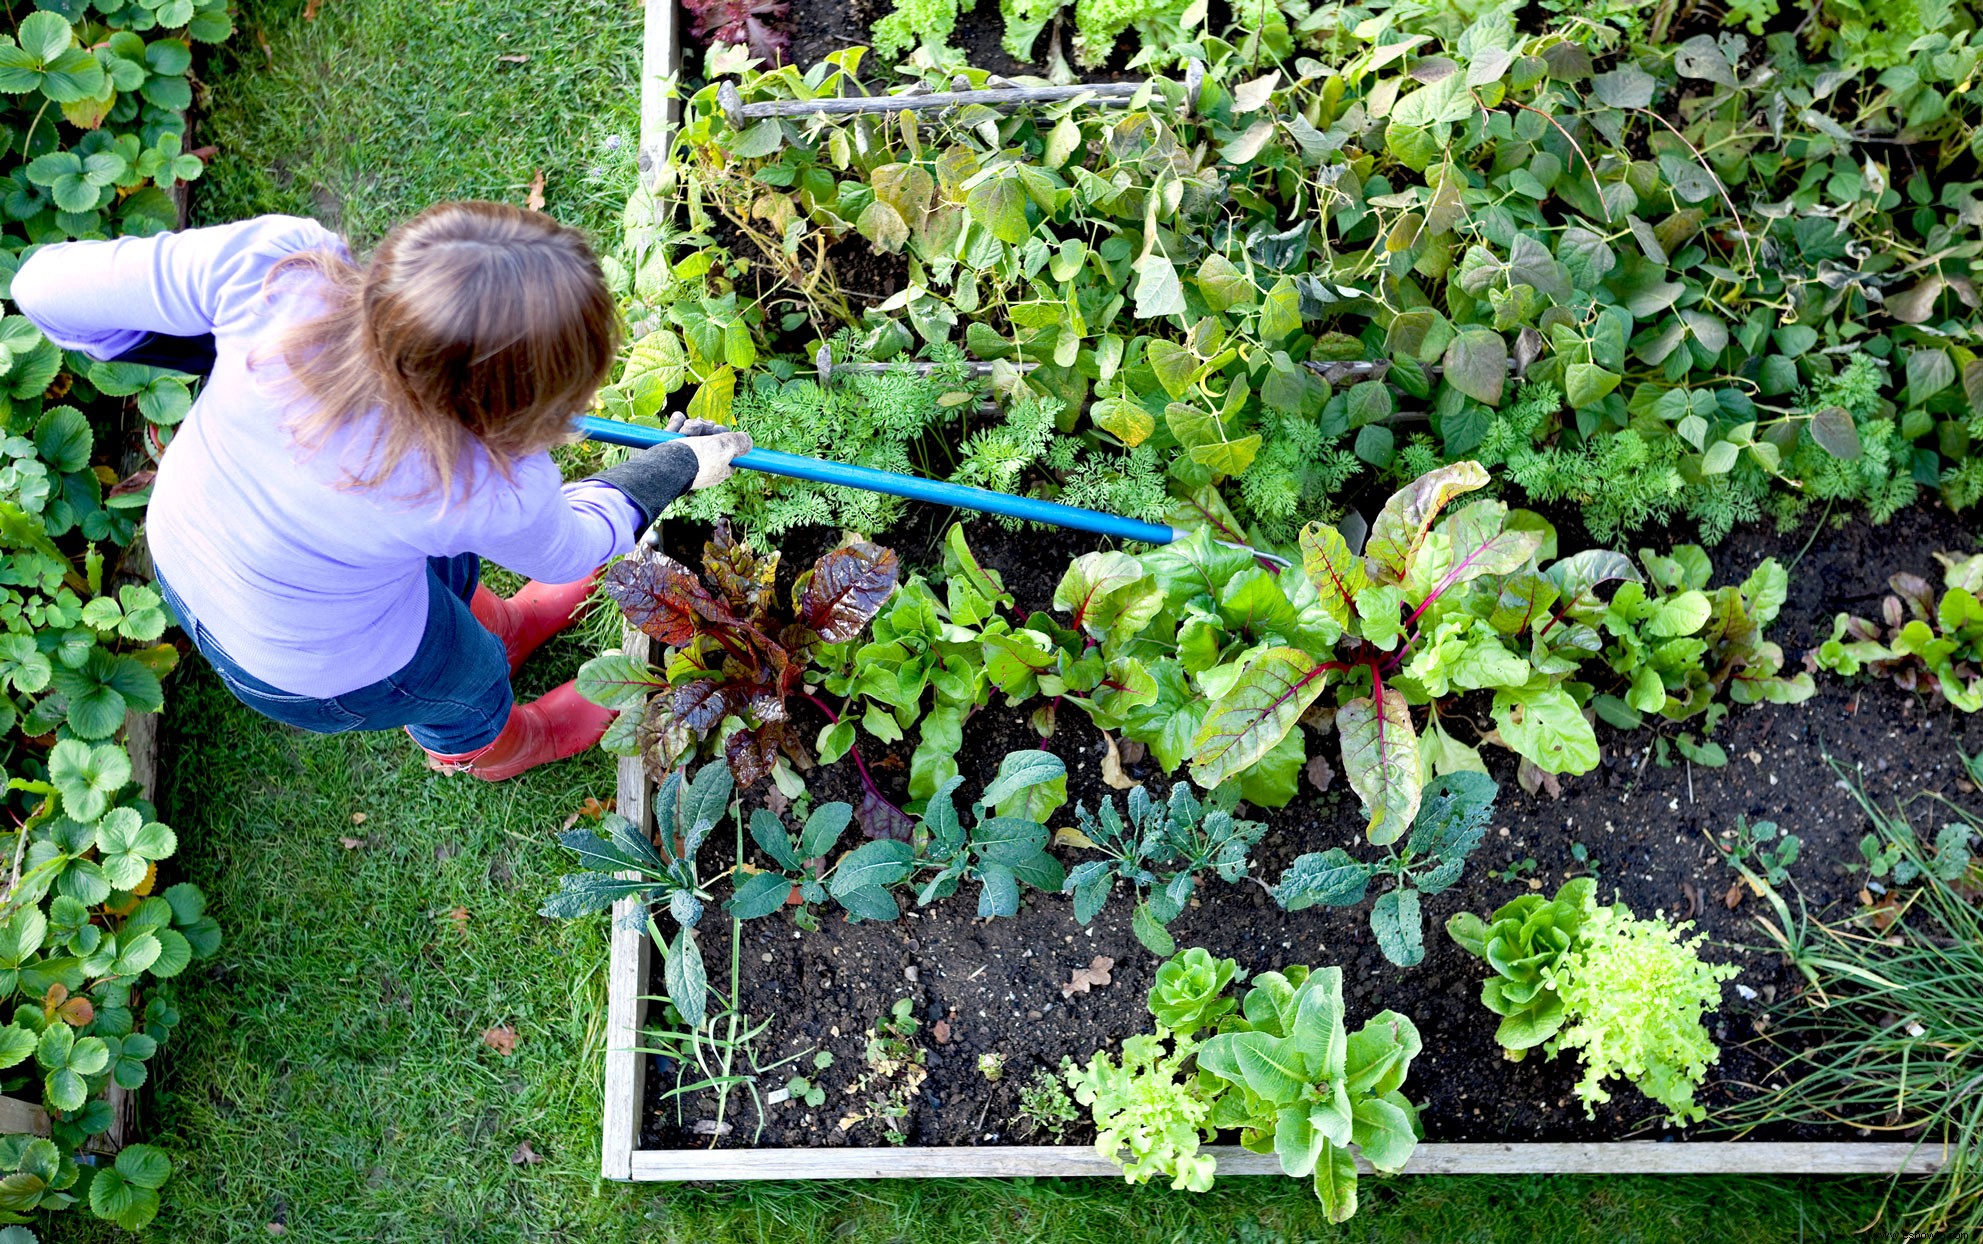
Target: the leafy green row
(94, 111)
(1724, 294)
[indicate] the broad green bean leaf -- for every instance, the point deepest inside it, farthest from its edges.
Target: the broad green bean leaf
(1628, 86)
(1928, 373)
(1836, 433)
(1175, 366)
(882, 224)
(759, 140)
(1476, 364)
(1586, 384)
(1127, 420)
(1380, 759)
(1158, 291)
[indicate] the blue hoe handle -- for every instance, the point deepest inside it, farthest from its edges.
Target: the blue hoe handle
(792, 466)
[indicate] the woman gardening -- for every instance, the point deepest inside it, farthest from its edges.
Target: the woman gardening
(367, 435)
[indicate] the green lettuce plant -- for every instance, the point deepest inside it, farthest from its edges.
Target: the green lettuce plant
(1149, 1114)
(1681, 646)
(1927, 645)
(1189, 994)
(1159, 850)
(1523, 939)
(1450, 822)
(1299, 1085)
(1634, 995)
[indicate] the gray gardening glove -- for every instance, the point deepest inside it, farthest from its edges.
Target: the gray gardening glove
(653, 478)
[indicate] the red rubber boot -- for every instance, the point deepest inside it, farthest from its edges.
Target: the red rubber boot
(561, 723)
(533, 615)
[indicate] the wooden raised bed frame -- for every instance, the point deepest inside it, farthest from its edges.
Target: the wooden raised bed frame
(622, 1158)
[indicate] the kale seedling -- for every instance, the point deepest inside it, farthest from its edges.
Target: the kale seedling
(1450, 823)
(1160, 850)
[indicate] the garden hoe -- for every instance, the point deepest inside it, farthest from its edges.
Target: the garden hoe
(889, 483)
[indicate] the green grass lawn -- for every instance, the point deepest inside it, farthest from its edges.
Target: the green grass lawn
(330, 1082)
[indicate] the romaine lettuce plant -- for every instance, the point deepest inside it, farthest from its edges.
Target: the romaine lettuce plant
(664, 870)
(1928, 646)
(1159, 851)
(1300, 1086)
(1522, 939)
(1450, 821)
(733, 659)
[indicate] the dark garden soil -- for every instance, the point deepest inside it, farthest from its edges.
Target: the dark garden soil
(984, 987)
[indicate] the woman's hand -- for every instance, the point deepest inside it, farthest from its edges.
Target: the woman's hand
(715, 447)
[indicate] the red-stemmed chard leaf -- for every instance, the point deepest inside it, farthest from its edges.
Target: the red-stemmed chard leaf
(1248, 721)
(1380, 759)
(737, 571)
(844, 590)
(750, 23)
(1400, 529)
(664, 598)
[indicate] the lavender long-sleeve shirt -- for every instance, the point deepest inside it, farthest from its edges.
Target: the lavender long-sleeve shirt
(309, 584)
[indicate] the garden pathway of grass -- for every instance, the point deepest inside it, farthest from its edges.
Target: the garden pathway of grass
(330, 1081)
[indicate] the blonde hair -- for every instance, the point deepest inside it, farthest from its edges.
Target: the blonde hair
(472, 322)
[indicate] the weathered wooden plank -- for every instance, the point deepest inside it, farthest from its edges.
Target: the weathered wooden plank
(1636, 1157)
(626, 983)
(660, 63)
(22, 1118)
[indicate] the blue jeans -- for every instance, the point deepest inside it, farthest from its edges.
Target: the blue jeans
(453, 696)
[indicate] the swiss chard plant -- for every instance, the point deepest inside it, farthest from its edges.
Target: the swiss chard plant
(922, 667)
(1682, 646)
(1159, 851)
(663, 869)
(1450, 822)
(1429, 609)
(1922, 644)
(734, 658)
(1523, 938)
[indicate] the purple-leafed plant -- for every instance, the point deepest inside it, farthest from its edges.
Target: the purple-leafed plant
(734, 660)
(756, 25)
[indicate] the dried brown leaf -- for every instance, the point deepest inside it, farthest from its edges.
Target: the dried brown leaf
(1733, 898)
(1083, 979)
(502, 1040)
(1112, 766)
(351, 844)
(534, 201)
(1320, 772)
(524, 1155)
